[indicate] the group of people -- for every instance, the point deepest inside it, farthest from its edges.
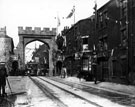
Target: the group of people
(3, 76)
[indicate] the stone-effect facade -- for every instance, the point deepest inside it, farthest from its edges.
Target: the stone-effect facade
(6, 48)
(28, 35)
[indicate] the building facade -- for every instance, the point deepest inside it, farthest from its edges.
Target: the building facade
(111, 34)
(7, 49)
(109, 40)
(79, 45)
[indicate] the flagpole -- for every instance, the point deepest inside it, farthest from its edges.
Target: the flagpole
(57, 24)
(95, 26)
(74, 14)
(74, 21)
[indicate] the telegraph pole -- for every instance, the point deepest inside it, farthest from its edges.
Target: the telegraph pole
(129, 35)
(94, 46)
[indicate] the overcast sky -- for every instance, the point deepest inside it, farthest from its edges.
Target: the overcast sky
(42, 13)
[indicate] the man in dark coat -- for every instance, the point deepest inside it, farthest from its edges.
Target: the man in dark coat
(94, 67)
(3, 75)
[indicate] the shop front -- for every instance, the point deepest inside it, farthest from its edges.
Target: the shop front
(86, 66)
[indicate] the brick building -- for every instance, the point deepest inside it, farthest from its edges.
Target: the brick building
(108, 35)
(115, 34)
(114, 41)
(79, 45)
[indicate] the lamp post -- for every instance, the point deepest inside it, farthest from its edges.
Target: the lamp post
(94, 62)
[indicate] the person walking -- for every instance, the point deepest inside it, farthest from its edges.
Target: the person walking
(3, 76)
(63, 72)
(94, 68)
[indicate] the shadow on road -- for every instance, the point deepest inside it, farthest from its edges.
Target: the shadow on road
(9, 100)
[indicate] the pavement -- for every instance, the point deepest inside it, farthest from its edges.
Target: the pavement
(108, 86)
(20, 86)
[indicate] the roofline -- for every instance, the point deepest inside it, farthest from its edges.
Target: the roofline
(104, 5)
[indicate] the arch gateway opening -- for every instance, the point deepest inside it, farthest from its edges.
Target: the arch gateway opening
(28, 35)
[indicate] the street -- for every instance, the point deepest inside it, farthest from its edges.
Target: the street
(51, 92)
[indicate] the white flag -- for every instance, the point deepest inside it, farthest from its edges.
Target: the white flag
(71, 13)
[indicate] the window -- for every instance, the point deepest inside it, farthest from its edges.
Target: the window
(124, 37)
(105, 46)
(123, 8)
(133, 9)
(124, 12)
(124, 34)
(105, 18)
(101, 20)
(133, 2)
(85, 40)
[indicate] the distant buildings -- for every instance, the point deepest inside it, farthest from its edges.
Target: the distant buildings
(41, 56)
(6, 48)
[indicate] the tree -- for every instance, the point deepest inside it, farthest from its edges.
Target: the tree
(60, 41)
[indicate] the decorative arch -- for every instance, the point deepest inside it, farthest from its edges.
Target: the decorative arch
(28, 35)
(40, 40)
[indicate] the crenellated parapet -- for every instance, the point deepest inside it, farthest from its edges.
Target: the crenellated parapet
(36, 31)
(3, 31)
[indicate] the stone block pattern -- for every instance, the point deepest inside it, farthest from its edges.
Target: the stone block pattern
(36, 31)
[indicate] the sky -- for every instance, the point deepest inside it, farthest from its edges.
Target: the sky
(42, 13)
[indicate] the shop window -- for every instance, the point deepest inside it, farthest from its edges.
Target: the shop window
(105, 69)
(105, 46)
(85, 64)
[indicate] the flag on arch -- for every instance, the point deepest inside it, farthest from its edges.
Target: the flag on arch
(71, 13)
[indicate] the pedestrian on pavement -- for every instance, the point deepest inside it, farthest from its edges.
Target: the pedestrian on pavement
(3, 76)
(94, 68)
(38, 72)
(64, 72)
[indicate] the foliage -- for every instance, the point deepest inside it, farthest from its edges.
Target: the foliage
(60, 41)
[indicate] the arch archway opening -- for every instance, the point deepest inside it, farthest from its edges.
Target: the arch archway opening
(37, 57)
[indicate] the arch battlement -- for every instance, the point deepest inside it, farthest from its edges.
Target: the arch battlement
(36, 31)
(3, 31)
